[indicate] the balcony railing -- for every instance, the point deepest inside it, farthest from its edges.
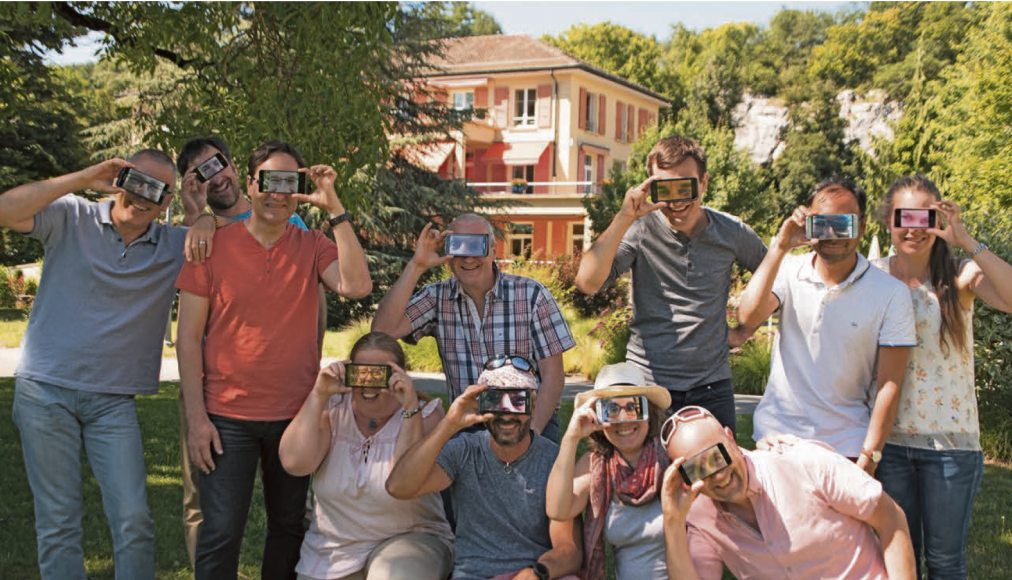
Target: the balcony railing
(537, 188)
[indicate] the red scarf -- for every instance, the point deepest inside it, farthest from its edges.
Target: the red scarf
(610, 477)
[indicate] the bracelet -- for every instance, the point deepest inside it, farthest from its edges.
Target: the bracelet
(977, 250)
(406, 414)
(339, 219)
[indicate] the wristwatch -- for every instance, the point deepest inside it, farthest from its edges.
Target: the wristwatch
(339, 219)
(540, 570)
(874, 456)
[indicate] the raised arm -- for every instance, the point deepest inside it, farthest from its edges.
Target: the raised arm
(390, 317)
(595, 265)
(676, 500)
(201, 433)
(306, 441)
(19, 205)
(416, 426)
(758, 301)
(890, 525)
(568, 488)
(987, 276)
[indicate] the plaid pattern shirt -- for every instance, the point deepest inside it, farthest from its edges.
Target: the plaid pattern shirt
(521, 318)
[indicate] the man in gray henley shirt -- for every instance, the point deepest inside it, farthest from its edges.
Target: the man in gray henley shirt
(680, 255)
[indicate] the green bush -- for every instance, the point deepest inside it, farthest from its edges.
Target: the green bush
(992, 348)
(8, 293)
(750, 367)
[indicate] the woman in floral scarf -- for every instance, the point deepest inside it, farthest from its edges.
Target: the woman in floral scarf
(616, 485)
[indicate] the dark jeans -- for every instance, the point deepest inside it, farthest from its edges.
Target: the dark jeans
(225, 496)
(936, 490)
(716, 397)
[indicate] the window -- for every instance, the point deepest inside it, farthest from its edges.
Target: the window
(590, 122)
(521, 240)
(588, 173)
(623, 124)
(463, 100)
(526, 173)
(525, 101)
(576, 236)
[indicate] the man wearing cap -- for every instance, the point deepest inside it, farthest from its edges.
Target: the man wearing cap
(497, 479)
(616, 486)
(799, 511)
(478, 314)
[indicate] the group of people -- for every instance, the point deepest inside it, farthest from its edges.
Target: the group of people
(871, 377)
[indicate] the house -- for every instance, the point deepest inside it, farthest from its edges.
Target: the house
(546, 131)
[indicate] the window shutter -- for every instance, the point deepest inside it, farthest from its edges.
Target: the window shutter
(481, 97)
(502, 107)
(602, 115)
(630, 123)
(544, 105)
(582, 119)
(600, 168)
(618, 120)
(643, 120)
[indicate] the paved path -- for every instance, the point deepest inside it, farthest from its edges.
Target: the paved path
(428, 382)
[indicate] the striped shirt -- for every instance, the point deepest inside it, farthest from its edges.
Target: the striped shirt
(521, 318)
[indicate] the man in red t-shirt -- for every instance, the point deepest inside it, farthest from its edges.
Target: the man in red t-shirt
(247, 358)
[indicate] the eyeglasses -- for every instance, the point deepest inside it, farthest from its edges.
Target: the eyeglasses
(632, 407)
(518, 362)
(684, 415)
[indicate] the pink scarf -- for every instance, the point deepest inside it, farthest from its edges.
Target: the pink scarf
(611, 477)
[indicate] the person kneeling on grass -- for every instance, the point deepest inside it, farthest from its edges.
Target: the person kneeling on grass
(497, 480)
(616, 486)
(350, 436)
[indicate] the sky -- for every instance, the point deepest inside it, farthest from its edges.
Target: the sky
(537, 18)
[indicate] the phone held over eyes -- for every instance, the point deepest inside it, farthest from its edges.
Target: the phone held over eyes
(365, 376)
(621, 409)
(211, 167)
(466, 245)
(142, 185)
(505, 401)
(278, 181)
(914, 218)
(674, 190)
(831, 226)
(704, 464)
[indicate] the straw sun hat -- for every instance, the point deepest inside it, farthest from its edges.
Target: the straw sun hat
(624, 380)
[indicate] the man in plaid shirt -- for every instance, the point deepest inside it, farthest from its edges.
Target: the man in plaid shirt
(479, 314)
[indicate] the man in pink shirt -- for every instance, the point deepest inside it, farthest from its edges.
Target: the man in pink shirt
(799, 511)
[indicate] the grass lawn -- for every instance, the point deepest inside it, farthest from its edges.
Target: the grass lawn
(990, 540)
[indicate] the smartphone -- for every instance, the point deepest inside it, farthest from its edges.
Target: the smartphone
(466, 245)
(675, 189)
(211, 167)
(367, 376)
(704, 464)
(505, 401)
(621, 409)
(913, 218)
(142, 185)
(831, 226)
(277, 181)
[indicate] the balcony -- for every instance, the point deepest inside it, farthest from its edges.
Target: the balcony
(537, 189)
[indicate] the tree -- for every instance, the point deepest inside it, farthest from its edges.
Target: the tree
(463, 19)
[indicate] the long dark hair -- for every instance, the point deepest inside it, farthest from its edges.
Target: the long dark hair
(941, 263)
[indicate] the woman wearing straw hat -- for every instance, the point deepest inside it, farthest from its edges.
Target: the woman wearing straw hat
(616, 486)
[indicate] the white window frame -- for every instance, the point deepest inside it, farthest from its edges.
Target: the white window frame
(526, 240)
(467, 98)
(526, 98)
(588, 172)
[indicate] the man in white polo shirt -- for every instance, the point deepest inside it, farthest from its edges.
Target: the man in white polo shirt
(844, 336)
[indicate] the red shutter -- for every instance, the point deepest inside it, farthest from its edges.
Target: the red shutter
(600, 169)
(618, 120)
(481, 98)
(582, 119)
(602, 115)
(630, 123)
(544, 105)
(502, 107)
(643, 121)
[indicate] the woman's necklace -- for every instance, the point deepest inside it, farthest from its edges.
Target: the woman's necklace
(373, 424)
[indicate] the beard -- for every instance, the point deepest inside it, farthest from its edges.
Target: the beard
(224, 199)
(522, 424)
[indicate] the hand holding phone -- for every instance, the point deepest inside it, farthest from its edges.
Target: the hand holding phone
(366, 376)
(674, 189)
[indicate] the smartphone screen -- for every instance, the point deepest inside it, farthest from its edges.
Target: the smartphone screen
(839, 226)
(277, 181)
(676, 189)
(913, 218)
(142, 185)
(367, 376)
(505, 401)
(621, 410)
(704, 464)
(211, 167)
(466, 245)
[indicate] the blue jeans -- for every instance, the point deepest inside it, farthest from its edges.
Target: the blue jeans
(54, 422)
(226, 493)
(936, 490)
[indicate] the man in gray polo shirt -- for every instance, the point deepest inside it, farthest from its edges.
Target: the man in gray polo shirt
(681, 255)
(94, 341)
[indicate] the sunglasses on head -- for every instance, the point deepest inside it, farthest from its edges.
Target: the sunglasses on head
(516, 361)
(683, 415)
